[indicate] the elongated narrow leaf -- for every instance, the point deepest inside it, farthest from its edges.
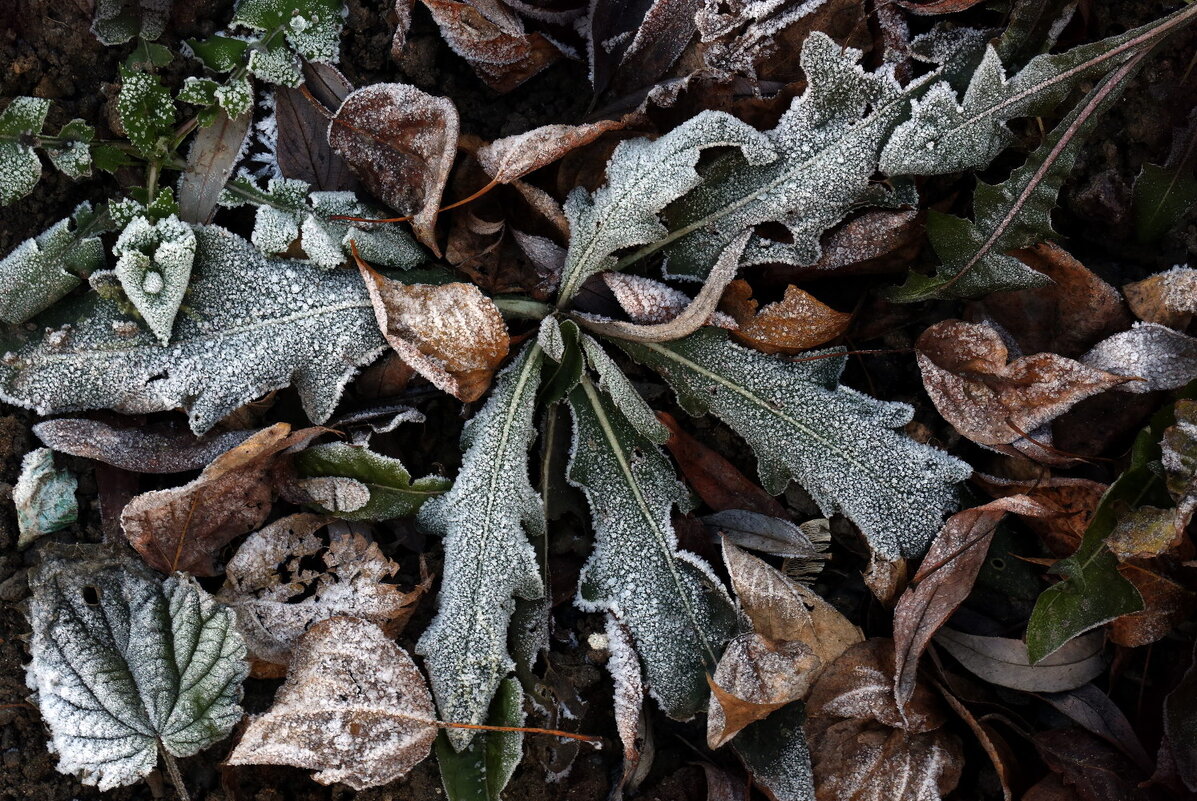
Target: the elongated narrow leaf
(482, 770)
(488, 558)
(837, 443)
(678, 613)
(1013, 214)
(390, 490)
(43, 269)
(124, 663)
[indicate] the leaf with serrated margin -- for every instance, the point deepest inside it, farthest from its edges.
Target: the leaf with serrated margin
(836, 442)
(124, 663)
(488, 558)
(678, 612)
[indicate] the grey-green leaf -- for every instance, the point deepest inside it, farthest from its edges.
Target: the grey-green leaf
(43, 269)
(678, 612)
(482, 770)
(73, 156)
(488, 558)
(20, 168)
(153, 263)
(124, 663)
(44, 496)
(836, 442)
(251, 325)
(392, 493)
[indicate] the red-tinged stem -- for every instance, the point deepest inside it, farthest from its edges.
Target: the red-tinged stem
(452, 205)
(586, 738)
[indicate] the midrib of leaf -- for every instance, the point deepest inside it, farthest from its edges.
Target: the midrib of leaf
(1177, 174)
(409, 490)
(645, 511)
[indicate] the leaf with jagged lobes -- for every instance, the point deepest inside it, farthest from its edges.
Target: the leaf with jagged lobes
(250, 325)
(678, 612)
(488, 558)
(124, 663)
(837, 443)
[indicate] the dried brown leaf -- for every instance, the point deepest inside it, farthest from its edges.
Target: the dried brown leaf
(1096, 770)
(401, 143)
(302, 148)
(451, 334)
(928, 7)
(493, 41)
(1168, 298)
(210, 162)
(874, 242)
(756, 676)
(796, 323)
(965, 371)
(354, 708)
(150, 448)
(1070, 504)
(861, 760)
(1004, 662)
(1166, 604)
(186, 527)
(512, 157)
(860, 684)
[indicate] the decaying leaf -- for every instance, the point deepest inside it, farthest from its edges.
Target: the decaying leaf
(860, 684)
(755, 677)
(493, 40)
(1004, 662)
(796, 323)
(125, 664)
(806, 543)
(150, 448)
(186, 527)
(451, 334)
(354, 708)
(1066, 506)
(400, 142)
(1160, 357)
(513, 157)
(44, 497)
(1168, 298)
(277, 596)
(990, 401)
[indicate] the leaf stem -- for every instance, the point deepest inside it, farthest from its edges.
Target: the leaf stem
(172, 769)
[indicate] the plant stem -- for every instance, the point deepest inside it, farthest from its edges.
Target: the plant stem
(176, 777)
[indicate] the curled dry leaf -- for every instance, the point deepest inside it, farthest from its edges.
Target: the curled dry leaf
(628, 678)
(944, 580)
(184, 528)
(400, 142)
(1168, 298)
(860, 684)
(965, 371)
(876, 241)
(756, 676)
(1004, 662)
(513, 157)
(1160, 357)
(1068, 505)
(1166, 604)
(278, 597)
(865, 761)
(928, 7)
(451, 334)
(796, 323)
(773, 535)
(493, 41)
(354, 708)
(151, 448)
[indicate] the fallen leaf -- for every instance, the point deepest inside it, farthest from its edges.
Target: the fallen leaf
(354, 708)
(796, 323)
(722, 785)
(1167, 298)
(944, 580)
(1180, 724)
(1093, 768)
(512, 157)
(886, 577)
(493, 41)
(756, 676)
(302, 148)
(1161, 357)
(147, 448)
(630, 721)
(1146, 532)
(965, 371)
(1004, 662)
(401, 143)
(364, 485)
(214, 153)
(184, 529)
(860, 684)
(284, 579)
(773, 535)
(661, 38)
(451, 334)
(1068, 505)
(864, 760)
(1093, 710)
(44, 497)
(1166, 604)
(996, 748)
(928, 7)
(873, 242)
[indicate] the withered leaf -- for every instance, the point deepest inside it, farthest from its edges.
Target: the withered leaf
(1160, 357)
(1004, 662)
(928, 7)
(965, 371)
(451, 334)
(796, 323)
(860, 684)
(944, 580)
(863, 760)
(184, 528)
(152, 448)
(302, 148)
(1092, 709)
(1168, 298)
(876, 241)
(756, 676)
(513, 157)
(493, 41)
(401, 143)
(1094, 769)
(277, 597)
(354, 708)
(1166, 603)
(210, 162)
(1070, 503)
(773, 535)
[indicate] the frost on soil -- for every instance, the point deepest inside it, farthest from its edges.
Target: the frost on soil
(251, 325)
(123, 662)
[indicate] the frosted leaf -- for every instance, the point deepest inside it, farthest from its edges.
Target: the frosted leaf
(153, 263)
(488, 558)
(628, 681)
(756, 676)
(836, 442)
(44, 497)
(677, 611)
(277, 596)
(390, 491)
(20, 168)
(73, 156)
(197, 91)
(278, 66)
(739, 35)
(1168, 298)
(146, 110)
(43, 269)
(235, 97)
(354, 708)
(550, 339)
(1163, 358)
(145, 448)
(642, 178)
(253, 325)
(630, 403)
(118, 21)
(312, 27)
(483, 769)
(124, 663)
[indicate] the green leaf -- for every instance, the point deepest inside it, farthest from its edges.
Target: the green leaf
(482, 770)
(42, 270)
(73, 155)
(560, 343)
(44, 497)
(392, 493)
(251, 325)
(1163, 195)
(125, 664)
(836, 442)
(236, 97)
(20, 168)
(219, 53)
(678, 612)
(488, 558)
(312, 27)
(146, 110)
(153, 263)
(118, 21)
(1013, 214)
(147, 55)
(774, 751)
(198, 91)
(109, 158)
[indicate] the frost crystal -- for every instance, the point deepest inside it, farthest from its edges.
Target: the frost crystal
(488, 558)
(154, 267)
(834, 441)
(252, 325)
(20, 168)
(312, 27)
(43, 269)
(123, 664)
(627, 399)
(677, 611)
